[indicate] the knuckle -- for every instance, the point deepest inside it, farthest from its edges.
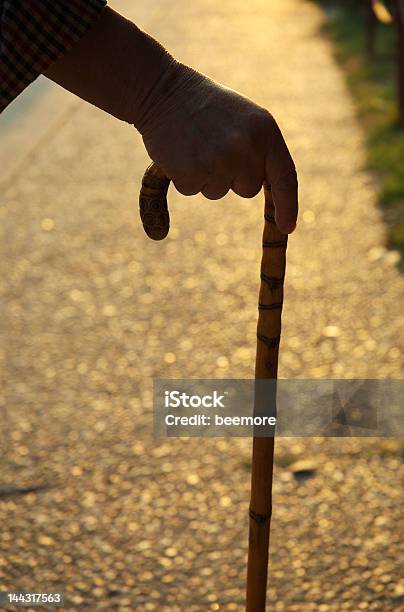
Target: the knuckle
(273, 133)
(187, 187)
(269, 118)
(284, 170)
(215, 192)
(247, 190)
(263, 119)
(289, 178)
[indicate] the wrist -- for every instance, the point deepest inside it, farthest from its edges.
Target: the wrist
(178, 86)
(116, 67)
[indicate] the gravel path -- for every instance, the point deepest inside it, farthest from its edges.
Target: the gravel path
(92, 311)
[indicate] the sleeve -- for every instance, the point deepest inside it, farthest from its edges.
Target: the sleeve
(36, 33)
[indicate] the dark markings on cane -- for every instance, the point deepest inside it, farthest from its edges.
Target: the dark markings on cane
(269, 342)
(274, 244)
(270, 306)
(272, 282)
(258, 518)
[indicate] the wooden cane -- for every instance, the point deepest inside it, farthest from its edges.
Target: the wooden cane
(273, 264)
(155, 218)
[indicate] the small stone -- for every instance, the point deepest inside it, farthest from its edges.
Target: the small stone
(47, 224)
(225, 501)
(170, 358)
(376, 253)
(44, 540)
(193, 479)
(392, 258)
(331, 331)
(109, 310)
(303, 465)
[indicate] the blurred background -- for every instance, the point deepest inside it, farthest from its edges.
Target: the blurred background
(92, 311)
(368, 38)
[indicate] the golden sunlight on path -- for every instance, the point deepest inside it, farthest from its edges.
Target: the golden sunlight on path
(92, 311)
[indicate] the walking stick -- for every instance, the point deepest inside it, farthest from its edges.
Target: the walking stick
(155, 219)
(266, 367)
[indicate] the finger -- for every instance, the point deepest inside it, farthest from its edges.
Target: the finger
(285, 195)
(187, 187)
(214, 190)
(247, 187)
(281, 174)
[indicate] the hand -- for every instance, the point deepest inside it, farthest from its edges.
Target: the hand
(205, 137)
(209, 139)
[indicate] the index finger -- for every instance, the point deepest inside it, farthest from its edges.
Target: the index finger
(280, 173)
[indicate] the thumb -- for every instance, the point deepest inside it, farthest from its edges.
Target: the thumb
(280, 174)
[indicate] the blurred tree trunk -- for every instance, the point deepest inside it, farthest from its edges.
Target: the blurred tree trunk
(400, 58)
(371, 21)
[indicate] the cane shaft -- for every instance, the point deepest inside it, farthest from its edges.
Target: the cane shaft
(266, 367)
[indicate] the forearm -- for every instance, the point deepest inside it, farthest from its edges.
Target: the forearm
(116, 67)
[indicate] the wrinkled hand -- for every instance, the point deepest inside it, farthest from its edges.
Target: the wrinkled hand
(205, 137)
(208, 138)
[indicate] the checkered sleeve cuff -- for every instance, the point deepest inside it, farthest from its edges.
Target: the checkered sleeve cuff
(36, 33)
